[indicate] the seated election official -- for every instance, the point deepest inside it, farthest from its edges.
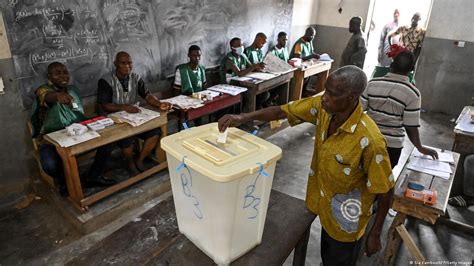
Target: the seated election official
(191, 77)
(119, 91)
(57, 105)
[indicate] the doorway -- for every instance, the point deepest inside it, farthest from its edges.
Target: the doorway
(382, 13)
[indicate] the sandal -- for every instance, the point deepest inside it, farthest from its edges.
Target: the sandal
(461, 201)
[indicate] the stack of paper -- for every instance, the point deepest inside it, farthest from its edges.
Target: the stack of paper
(136, 119)
(184, 102)
(229, 89)
(429, 166)
(442, 156)
(465, 123)
(64, 140)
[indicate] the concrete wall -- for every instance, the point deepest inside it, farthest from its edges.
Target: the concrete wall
(332, 26)
(305, 13)
(444, 70)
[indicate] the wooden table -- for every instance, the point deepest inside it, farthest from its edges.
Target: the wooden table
(463, 144)
(217, 103)
(417, 209)
(108, 135)
(249, 101)
(154, 239)
(319, 68)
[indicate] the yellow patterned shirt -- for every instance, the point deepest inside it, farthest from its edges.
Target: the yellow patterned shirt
(348, 169)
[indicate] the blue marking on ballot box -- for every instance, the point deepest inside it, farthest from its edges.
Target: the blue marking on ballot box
(186, 185)
(251, 200)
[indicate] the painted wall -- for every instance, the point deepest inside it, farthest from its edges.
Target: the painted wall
(332, 26)
(305, 13)
(444, 71)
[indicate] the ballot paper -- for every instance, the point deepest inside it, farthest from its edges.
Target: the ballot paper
(442, 156)
(184, 102)
(136, 119)
(275, 65)
(64, 140)
(222, 137)
(228, 89)
(261, 75)
(465, 123)
(432, 167)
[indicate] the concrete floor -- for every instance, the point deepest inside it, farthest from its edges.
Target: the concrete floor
(39, 235)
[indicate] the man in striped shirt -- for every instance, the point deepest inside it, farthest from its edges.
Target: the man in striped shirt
(394, 104)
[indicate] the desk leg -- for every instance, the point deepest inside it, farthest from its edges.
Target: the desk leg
(299, 257)
(321, 80)
(71, 173)
(414, 250)
(160, 154)
(393, 240)
(298, 86)
(283, 93)
(249, 101)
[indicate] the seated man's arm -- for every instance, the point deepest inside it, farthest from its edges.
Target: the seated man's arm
(177, 83)
(104, 99)
(238, 71)
(45, 97)
(150, 98)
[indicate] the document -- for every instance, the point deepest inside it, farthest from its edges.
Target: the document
(442, 156)
(184, 102)
(432, 167)
(261, 75)
(136, 119)
(465, 124)
(275, 65)
(228, 89)
(64, 140)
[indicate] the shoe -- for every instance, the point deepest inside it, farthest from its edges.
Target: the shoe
(392, 212)
(100, 181)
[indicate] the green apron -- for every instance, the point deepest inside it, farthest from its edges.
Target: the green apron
(191, 82)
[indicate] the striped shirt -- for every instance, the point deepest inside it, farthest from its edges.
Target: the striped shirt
(393, 103)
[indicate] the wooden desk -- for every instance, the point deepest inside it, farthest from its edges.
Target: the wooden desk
(108, 135)
(249, 101)
(416, 209)
(217, 103)
(463, 144)
(154, 239)
(320, 68)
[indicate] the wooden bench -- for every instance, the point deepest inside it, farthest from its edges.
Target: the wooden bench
(154, 239)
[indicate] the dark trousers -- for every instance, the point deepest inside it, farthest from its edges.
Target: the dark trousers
(53, 165)
(394, 155)
(338, 253)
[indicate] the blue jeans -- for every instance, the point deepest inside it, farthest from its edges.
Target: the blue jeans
(53, 165)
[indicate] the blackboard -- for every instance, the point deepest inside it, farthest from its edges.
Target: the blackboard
(86, 34)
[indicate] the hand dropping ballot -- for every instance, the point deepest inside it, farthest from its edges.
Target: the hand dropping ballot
(222, 137)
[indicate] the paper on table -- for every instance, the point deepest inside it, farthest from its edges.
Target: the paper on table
(136, 119)
(275, 65)
(229, 89)
(184, 102)
(431, 164)
(261, 75)
(444, 175)
(442, 156)
(465, 123)
(64, 140)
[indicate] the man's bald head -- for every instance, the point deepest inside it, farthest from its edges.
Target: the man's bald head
(351, 79)
(123, 64)
(355, 24)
